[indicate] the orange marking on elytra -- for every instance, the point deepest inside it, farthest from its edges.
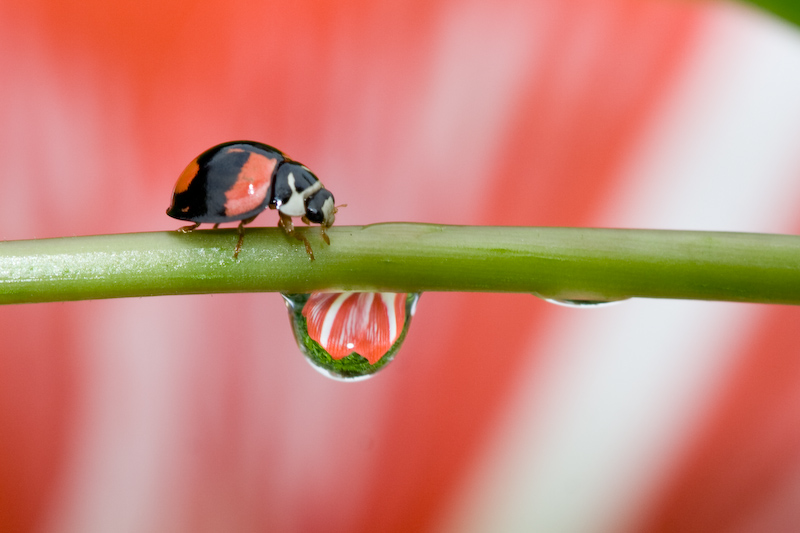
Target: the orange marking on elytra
(187, 176)
(251, 185)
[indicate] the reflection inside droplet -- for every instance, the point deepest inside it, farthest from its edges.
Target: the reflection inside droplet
(350, 335)
(582, 304)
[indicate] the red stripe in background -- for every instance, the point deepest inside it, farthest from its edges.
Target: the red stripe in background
(37, 408)
(560, 158)
(750, 453)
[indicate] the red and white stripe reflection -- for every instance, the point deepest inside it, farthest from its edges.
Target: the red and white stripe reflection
(367, 323)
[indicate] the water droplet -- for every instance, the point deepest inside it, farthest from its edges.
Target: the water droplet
(350, 335)
(582, 304)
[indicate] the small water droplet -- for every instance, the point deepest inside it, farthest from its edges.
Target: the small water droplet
(582, 304)
(349, 336)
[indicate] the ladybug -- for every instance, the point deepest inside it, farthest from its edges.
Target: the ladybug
(237, 180)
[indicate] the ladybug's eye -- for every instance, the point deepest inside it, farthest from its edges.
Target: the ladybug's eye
(320, 208)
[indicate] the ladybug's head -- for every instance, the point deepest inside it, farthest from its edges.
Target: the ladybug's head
(320, 208)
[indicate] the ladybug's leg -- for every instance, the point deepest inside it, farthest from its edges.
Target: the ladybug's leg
(288, 226)
(309, 251)
(188, 229)
(285, 222)
(241, 236)
(216, 226)
(325, 235)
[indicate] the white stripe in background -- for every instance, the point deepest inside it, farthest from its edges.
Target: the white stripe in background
(451, 129)
(120, 470)
(592, 433)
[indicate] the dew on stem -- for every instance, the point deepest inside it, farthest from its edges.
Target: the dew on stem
(350, 335)
(580, 304)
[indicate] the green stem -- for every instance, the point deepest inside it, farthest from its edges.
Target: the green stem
(564, 263)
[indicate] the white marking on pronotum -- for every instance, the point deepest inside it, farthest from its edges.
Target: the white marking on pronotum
(328, 210)
(296, 205)
(330, 316)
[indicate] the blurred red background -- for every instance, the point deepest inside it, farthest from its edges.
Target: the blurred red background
(502, 412)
